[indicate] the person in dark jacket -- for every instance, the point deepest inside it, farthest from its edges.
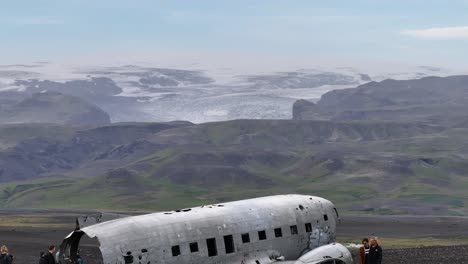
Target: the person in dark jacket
(128, 258)
(363, 251)
(5, 257)
(49, 256)
(375, 252)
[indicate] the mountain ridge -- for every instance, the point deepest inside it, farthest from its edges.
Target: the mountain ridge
(53, 107)
(420, 100)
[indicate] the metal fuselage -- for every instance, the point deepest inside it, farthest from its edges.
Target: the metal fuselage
(249, 231)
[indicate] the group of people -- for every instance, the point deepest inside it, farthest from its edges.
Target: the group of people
(370, 252)
(45, 257)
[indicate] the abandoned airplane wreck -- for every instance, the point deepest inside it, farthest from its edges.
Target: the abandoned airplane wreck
(283, 228)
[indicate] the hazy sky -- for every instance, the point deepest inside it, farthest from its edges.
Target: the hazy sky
(416, 31)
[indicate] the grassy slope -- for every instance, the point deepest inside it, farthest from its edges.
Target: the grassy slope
(358, 176)
(14, 133)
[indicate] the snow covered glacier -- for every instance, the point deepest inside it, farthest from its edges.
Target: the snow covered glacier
(196, 92)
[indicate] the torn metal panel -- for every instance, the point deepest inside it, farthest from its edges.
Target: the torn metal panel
(89, 220)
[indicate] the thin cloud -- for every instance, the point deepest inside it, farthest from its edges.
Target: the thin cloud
(438, 33)
(35, 20)
(188, 16)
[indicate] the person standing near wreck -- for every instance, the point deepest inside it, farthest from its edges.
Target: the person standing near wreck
(49, 256)
(128, 258)
(375, 252)
(79, 259)
(5, 257)
(364, 252)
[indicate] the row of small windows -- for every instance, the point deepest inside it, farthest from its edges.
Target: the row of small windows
(336, 261)
(229, 241)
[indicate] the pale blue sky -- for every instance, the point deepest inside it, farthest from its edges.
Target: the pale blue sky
(416, 31)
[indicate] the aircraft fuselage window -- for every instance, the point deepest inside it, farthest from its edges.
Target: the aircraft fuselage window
(229, 244)
(211, 245)
(325, 217)
(175, 251)
(328, 262)
(308, 227)
(194, 247)
(245, 238)
(278, 232)
(293, 229)
(262, 235)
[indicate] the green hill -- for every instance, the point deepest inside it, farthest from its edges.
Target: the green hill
(366, 167)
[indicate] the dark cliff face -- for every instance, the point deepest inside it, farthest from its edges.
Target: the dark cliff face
(53, 107)
(306, 110)
(429, 99)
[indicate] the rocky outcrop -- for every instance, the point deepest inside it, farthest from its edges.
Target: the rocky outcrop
(306, 110)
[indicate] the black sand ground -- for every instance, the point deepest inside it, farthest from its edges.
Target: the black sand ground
(26, 242)
(404, 226)
(429, 255)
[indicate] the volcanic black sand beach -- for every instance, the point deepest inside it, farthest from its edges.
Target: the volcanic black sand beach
(27, 233)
